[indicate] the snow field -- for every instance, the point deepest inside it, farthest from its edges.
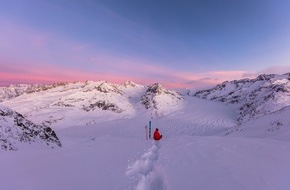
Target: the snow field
(225, 163)
(83, 163)
(144, 171)
(96, 157)
(108, 151)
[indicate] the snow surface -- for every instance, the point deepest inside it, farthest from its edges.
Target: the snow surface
(84, 103)
(16, 132)
(254, 97)
(203, 146)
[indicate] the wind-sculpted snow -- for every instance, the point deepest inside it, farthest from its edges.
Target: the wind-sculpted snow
(15, 131)
(254, 97)
(145, 172)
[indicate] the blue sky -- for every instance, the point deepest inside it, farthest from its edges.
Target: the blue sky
(186, 43)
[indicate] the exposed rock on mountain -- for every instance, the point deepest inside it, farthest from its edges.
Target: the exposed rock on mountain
(157, 98)
(102, 105)
(13, 91)
(17, 131)
(83, 102)
(106, 87)
(130, 84)
(253, 97)
(44, 87)
(60, 104)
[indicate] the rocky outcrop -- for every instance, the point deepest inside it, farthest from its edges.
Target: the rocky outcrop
(106, 87)
(54, 104)
(253, 97)
(130, 84)
(13, 91)
(156, 97)
(103, 105)
(17, 131)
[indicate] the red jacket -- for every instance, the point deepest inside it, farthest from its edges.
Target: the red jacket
(157, 135)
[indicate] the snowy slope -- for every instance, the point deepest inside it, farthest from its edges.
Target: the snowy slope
(102, 130)
(98, 156)
(94, 102)
(116, 155)
(275, 126)
(13, 91)
(253, 97)
(79, 102)
(161, 101)
(16, 132)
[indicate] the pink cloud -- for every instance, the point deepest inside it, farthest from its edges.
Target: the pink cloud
(205, 79)
(34, 56)
(29, 56)
(45, 73)
(135, 70)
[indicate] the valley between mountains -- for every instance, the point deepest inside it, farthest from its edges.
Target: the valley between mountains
(91, 135)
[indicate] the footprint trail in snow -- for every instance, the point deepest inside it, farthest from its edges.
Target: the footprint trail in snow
(145, 173)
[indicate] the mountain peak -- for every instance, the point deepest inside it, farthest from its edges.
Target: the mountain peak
(107, 87)
(265, 77)
(156, 88)
(161, 100)
(129, 84)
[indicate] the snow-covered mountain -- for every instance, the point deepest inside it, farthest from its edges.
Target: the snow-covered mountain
(16, 131)
(102, 128)
(95, 102)
(161, 100)
(13, 91)
(253, 97)
(89, 102)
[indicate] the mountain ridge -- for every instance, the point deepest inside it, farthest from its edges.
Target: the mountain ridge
(253, 98)
(263, 95)
(16, 131)
(91, 100)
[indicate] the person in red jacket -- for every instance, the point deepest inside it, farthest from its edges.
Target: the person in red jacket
(157, 135)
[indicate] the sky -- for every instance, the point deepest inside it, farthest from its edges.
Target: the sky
(178, 43)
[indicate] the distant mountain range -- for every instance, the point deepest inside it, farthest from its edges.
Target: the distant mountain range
(92, 96)
(40, 107)
(253, 97)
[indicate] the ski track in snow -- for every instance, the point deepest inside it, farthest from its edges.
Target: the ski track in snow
(144, 173)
